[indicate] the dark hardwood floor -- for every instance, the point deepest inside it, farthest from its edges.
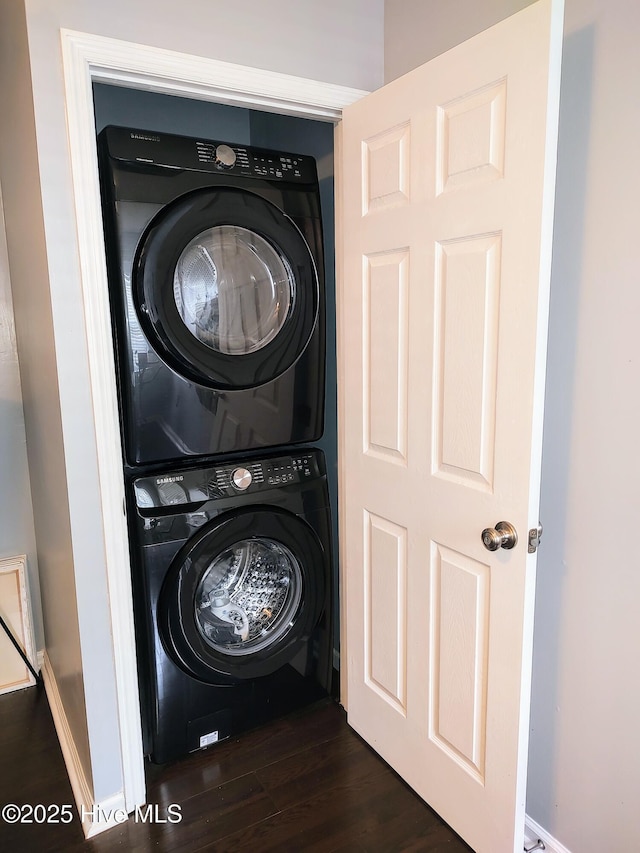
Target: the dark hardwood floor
(303, 783)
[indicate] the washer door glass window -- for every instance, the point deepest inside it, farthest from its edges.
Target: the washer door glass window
(243, 595)
(248, 597)
(233, 290)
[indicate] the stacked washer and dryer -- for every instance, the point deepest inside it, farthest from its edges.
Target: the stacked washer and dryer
(218, 313)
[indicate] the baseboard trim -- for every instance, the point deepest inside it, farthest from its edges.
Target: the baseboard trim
(534, 832)
(94, 817)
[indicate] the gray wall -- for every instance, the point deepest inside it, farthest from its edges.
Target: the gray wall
(17, 534)
(584, 776)
(28, 267)
(338, 41)
(417, 30)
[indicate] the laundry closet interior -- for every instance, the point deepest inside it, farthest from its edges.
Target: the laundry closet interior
(270, 537)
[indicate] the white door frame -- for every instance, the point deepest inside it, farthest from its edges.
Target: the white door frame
(88, 58)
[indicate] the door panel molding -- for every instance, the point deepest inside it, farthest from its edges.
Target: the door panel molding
(460, 592)
(467, 309)
(385, 585)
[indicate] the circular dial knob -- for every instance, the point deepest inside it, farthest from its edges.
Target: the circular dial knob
(241, 479)
(225, 157)
(503, 535)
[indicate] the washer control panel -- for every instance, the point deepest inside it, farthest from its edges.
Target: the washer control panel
(291, 470)
(254, 476)
(195, 486)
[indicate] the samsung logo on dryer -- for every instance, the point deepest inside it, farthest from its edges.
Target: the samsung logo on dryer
(144, 137)
(161, 480)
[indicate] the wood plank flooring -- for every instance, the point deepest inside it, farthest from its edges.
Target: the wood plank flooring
(303, 783)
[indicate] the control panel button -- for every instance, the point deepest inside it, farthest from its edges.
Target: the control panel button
(241, 479)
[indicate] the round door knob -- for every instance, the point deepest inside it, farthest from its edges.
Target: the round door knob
(503, 535)
(241, 479)
(225, 157)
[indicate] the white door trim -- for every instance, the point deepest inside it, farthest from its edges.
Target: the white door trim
(86, 58)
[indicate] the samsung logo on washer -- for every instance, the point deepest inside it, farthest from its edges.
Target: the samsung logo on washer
(144, 137)
(161, 480)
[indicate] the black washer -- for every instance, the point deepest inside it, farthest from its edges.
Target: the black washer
(233, 596)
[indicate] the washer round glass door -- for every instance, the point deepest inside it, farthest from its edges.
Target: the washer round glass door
(226, 288)
(248, 596)
(243, 594)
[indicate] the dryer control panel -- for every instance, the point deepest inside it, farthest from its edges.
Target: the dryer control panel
(231, 479)
(208, 155)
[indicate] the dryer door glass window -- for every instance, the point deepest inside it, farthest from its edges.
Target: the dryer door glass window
(233, 290)
(248, 596)
(226, 289)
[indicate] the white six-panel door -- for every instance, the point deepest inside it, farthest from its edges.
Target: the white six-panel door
(448, 183)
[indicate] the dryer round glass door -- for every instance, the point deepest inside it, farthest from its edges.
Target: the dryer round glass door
(243, 594)
(233, 290)
(226, 288)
